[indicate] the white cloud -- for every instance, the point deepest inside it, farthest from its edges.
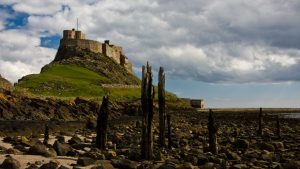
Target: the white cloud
(21, 54)
(211, 41)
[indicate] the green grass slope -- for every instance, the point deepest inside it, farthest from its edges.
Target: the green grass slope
(63, 81)
(77, 72)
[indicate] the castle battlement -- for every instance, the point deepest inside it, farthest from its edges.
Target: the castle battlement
(76, 38)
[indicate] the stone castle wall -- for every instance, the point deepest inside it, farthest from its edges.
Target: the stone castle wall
(75, 38)
(92, 45)
(112, 51)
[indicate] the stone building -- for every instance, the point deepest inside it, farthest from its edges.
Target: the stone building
(197, 103)
(76, 38)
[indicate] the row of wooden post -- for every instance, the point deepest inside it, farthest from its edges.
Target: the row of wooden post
(147, 98)
(212, 130)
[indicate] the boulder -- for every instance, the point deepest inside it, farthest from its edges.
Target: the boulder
(239, 166)
(10, 163)
(110, 154)
(278, 145)
(85, 161)
(202, 160)
(267, 146)
(167, 165)
(186, 166)
(60, 138)
(38, 149)
(232, 155)
(125, 164)
(32, 166)
(208, 165)
(61, 149)
(12, 151)
(241, 143)
(50, 165)
(63, 167)
(191, 158)
(51, 153)
(103, 164)
(75, 140)
(266, 155)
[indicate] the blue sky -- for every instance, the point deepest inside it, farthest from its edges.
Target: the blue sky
(231, 54)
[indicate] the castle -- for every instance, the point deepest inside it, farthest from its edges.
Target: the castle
(76, 38)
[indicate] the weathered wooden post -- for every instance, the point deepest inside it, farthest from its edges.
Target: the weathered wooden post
(260, 132)
(147, 97)
(278, 131)
(212, 133)
(144, 109)
(161, 104)
(102, 124)
(46, 135)
(169, 131)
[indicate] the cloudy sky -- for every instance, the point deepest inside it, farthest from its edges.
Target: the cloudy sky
(232, 53)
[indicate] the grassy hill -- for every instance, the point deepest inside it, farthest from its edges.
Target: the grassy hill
(70, 81)
(63, 81)
(77, 72)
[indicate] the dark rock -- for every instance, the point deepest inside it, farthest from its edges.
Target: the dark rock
(32, 166)
(12, 151)
(8, 139)
(292, 165)
(167, 165)
(239, 166)
(61, 139)
(72, 153)
(94, 155)
(208, 165)
(38, 149)
(85, 161)
(51, 153)
(191, 158)
(110, 154)
(79, 146)
(186, 166)
(241, 143)
(63, 167)
(134, 154)
(202, 160)
(50, 165)
(10, 163)
(75, 140)
(267, 146)
(232, 155)
(61, 148)
(91, 124)
(103, 164)
(125, 164)
(278, 145)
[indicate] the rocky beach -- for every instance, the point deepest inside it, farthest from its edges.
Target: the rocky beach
(239, 145)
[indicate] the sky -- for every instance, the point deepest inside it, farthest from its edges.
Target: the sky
(231, 53)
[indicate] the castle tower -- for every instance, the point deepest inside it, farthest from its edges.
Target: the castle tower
(69, 34)
(79, 35)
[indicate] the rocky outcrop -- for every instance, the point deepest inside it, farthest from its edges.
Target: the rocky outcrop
(14, 106)
(5, 84)
(97, 62)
